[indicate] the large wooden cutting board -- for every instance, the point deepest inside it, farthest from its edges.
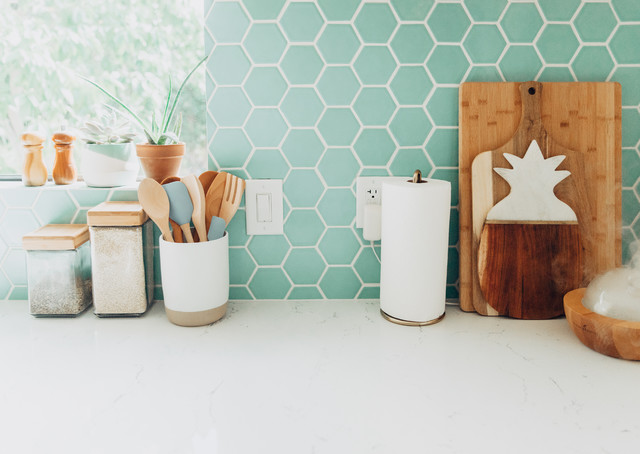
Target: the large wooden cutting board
(580, 116)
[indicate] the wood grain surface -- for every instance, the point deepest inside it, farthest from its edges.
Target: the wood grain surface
(55, 237)
(578, 119)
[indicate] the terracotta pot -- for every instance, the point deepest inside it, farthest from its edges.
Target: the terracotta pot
(160, 161)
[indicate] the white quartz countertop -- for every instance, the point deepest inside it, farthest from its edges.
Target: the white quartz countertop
(309, 377)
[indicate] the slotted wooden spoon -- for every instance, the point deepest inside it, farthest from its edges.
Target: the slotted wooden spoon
(196, 192)
(233, 190)
(206, 178)
(213, 199)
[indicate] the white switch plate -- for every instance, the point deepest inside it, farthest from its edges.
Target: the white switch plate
(270, 194)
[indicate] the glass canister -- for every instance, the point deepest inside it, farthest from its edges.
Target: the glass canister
(58, 270)
(122, 259)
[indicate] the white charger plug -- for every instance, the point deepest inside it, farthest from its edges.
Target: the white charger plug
(372, 221)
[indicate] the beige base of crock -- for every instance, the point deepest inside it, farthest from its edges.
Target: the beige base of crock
(199, 318)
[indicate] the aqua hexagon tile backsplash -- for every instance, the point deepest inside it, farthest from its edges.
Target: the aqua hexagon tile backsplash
(318, 92)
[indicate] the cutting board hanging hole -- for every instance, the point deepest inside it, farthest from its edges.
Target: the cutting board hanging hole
(532, 91)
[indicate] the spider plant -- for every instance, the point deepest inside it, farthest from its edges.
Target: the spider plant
(166, 131)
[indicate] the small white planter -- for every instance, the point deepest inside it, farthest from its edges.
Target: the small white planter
(109, 165)
(195, 280)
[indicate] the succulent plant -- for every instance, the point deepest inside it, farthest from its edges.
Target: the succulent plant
(108, 130)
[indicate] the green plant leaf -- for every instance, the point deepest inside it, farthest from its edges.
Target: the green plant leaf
(166, 107)
(177, 97)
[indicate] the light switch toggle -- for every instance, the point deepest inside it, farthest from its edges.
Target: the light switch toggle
(263, 205)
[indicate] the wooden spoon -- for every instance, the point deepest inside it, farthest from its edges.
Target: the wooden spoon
(155, 202)
(233, 190)
(175, 228)
(214, 198)
(196, 192)
(206, 178)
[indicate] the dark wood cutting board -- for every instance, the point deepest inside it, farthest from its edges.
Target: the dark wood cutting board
(580, 120)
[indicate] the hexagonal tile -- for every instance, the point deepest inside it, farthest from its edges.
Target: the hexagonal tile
(485, 10)
(627, 9)
(85, 197)
(484, 74)
(630, 166)
(305, 293)
(557, 43)
(630, 207)
(623, 44)
(338, 126)
(629, 78)
(338, 43)
(3, 248)
(339, 246)
(443, 147)
(374, 65)
(303, 227)
(15, 265)
(303, 188)
(228, 65)
(301, 64)
(367, 266)
(554, 10)
(595, 22)
(265, 43)
(450, 175)
(412, 10)
(229, 106)
(239, 293)
(520, 63)
(411, 85)
(227, 22)
(264, 9)
(556, 74)
(304, 266)
(241, 266)
(338, 85)
(374, 106)
(267, 163)
(55, 207)
(335, 10)
(230, 147)
(302, 147)
(410, 126)
(5, 286)
(521, 22)
(448, 22)
(340, 283)
(448, 64)
(265, 86)
(270, 284)
(443, 106)
(375, 22)
(269, 249)
(374, 147)
(266, 127)
(19, 197)
(630, 128)
(453, 265)
(411, 43)
(369, 292)
(454, 234)
(237, 229)
(339, 167)
(407, 160)
(484, 43)
(301, 106)
(337, 207)
(301, 22)
(593, 63)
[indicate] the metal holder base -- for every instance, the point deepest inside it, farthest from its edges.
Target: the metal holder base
(399, 321)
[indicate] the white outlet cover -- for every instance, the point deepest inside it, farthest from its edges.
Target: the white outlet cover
(264, 190)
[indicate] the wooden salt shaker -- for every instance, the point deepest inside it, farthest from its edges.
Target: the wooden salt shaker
(34, 172)
(64, 169)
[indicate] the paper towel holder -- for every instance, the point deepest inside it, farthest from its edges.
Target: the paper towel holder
(417, 177)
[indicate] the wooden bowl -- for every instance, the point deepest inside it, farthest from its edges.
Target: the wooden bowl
(609, 336)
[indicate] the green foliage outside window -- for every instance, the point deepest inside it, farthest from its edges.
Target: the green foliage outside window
(129, 47)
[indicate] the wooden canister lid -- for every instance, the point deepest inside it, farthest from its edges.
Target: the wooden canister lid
(56, 237)
(117, 214)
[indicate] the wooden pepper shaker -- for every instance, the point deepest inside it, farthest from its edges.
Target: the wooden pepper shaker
(34, 172)
(64, 169)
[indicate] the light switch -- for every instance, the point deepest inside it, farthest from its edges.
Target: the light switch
(264, 207)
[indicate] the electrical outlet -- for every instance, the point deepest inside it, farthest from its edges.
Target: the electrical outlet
(368, 190)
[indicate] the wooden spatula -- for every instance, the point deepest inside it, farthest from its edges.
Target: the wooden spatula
(175, 228)
(233, 190)
(155, 202)
(206, 178)
(198, 199)
(213, 198)
(181, 207)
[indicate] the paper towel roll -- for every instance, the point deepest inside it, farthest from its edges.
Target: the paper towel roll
(415, 239)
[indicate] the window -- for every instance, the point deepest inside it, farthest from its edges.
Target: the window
(129, 47)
